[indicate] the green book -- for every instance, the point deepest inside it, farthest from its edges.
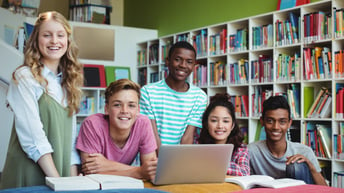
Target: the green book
(308, 98)
(260, 132)
(113, 73)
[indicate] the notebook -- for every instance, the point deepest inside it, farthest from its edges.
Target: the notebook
(201, 163)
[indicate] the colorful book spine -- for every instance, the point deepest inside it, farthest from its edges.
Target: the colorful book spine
(317, 26)
(317, 63)
(239, 72)
(262, 36)
(141, 57)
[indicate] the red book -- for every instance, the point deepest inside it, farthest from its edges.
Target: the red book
(316, 142)
(305, 25)
(244, 99)
(322, 103)
(301, 2)
(311, 25)
(94, 75)
(223, 39)
(340, 103)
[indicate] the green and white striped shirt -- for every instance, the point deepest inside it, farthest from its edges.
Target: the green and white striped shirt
(173, 111)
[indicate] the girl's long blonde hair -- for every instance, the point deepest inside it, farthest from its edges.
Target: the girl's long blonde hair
(71, 68)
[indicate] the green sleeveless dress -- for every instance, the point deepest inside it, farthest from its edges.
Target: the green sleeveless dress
(19, 170)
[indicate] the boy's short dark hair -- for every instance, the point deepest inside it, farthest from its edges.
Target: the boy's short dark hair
(275, 102)
(181, 44)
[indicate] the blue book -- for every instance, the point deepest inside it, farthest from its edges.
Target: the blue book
(296, 93)
(285, 4)
(321, 67)
(294, 20)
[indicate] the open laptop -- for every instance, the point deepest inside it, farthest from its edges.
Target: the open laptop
(197, 163)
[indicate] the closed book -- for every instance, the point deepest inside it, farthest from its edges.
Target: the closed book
(93, 182)
(71, 183)
(316, 101)
(325, 138)
(327, 108)
(308, 98)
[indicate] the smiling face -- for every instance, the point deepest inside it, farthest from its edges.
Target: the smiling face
(122, 108)
(220, 124)
(52, 41)
(181, 64)
(276, 123)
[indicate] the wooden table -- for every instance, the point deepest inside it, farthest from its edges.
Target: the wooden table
(193, 188)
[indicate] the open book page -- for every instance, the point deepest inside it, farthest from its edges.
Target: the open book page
(280, 183)
(247, 182)
(114, 181)
(71, 183)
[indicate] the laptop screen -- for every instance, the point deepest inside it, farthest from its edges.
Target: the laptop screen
(197, 163)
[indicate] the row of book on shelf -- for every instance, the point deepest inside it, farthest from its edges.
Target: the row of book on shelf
(317, 26)
(321, 106)
(236, 72)
(319, 138)
(338, 21)
(317, 63)
(262, 36)
(338, 143)
(287, 31)
(200, 43)
(338, 180)
(153, 51)
(89, 13)
(88, 104)
(288, 67)
(316, 105)
(217, 43)
(238, 41)
(153, 76)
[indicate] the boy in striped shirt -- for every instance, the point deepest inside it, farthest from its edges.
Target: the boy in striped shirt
(174, 106)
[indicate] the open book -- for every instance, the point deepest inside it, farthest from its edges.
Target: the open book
(247, 182)
(93, 182)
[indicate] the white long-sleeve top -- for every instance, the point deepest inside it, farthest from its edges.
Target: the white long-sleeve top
(23, 99)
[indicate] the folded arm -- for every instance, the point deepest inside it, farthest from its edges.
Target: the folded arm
(97, 163)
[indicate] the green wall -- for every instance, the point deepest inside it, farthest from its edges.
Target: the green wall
(173, 16)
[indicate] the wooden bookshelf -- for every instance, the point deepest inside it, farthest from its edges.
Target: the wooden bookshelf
(273, 50)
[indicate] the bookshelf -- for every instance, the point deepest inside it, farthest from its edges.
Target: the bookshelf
(271, 54)
(93, 11)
